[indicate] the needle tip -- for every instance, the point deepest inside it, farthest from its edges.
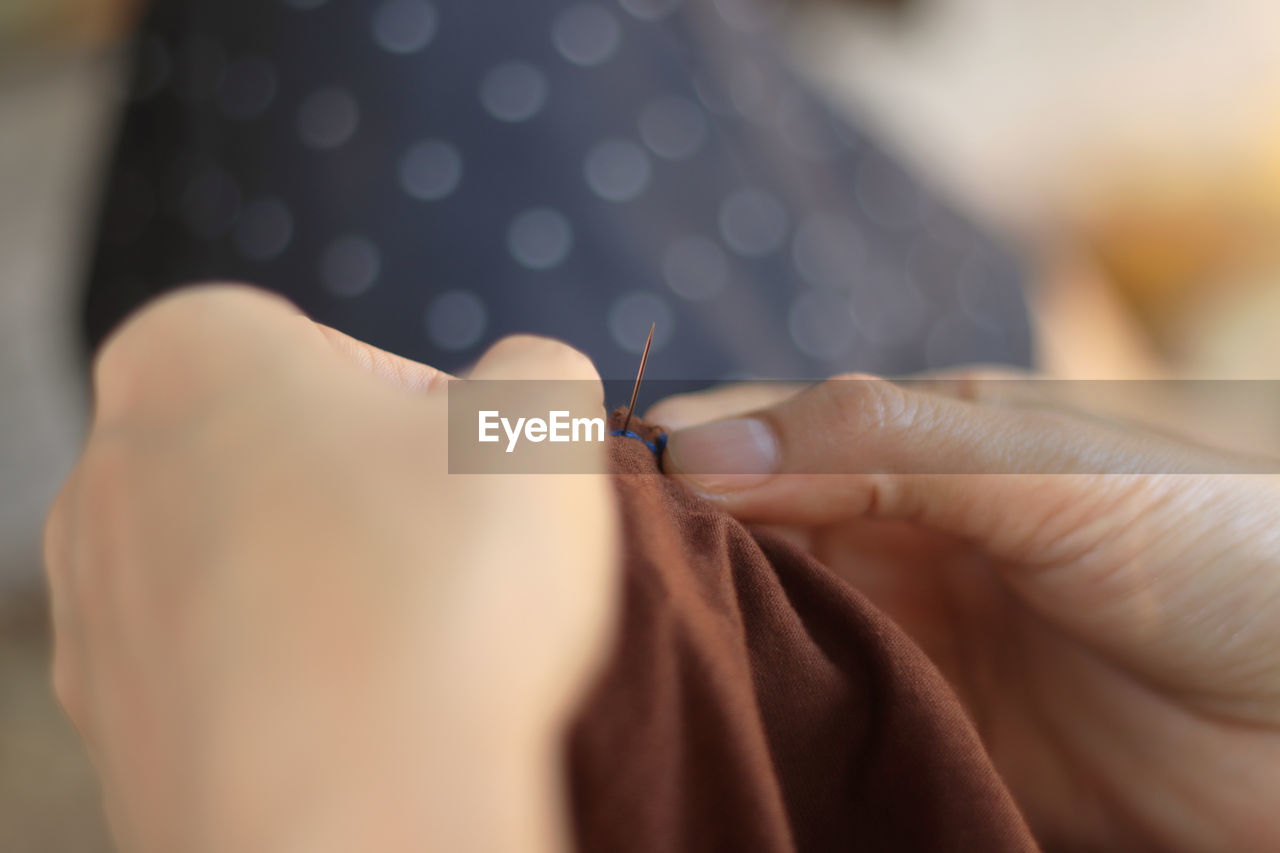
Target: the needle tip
(635, 392)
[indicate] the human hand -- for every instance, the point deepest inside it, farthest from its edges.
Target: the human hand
(1115, 637)
(281, 625)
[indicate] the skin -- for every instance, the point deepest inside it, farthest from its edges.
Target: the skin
(1115, 636)
(281, 625)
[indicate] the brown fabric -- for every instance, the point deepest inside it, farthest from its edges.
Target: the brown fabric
(755, 702)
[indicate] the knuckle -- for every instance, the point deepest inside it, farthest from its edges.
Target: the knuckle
(869, 403)
(214, 308)
(107, 476)
(104, 469)
(107, 540)
(991, 384)
(880, 495)
(166, 352)
(214, 302)
(192, 308)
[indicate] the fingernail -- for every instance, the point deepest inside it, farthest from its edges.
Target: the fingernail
(724, 456)
(671, 417)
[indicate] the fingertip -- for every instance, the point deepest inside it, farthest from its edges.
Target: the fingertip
(724, 456)
(534, 357)
(673, 413)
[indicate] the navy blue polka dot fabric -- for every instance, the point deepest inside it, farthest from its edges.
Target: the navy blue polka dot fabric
(429, 175)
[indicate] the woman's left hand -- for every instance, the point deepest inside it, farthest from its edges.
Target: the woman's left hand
(281, 625)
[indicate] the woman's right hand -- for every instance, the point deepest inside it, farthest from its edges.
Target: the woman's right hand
(1116, 636)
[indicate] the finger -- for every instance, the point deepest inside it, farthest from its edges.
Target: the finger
(994, 384)
(1152, 406)
(981, 383)
(406, 373)
(545, 511)
(172, 353)
(543, 374)
(531, 357)
(200, 341)
(56, 543)
(866, 447)
(68, 673)
(57, 555)
(685, 410)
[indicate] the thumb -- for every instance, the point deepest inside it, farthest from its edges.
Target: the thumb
(858, 446)
(1113, 534)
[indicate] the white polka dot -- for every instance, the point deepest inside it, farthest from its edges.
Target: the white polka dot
(750, 16)
(514, 91)
(821, 326)
(695, 268)
(350, 265)
(248, 88)
(210, 203)
(540, 238)
(650, 10)
(264, 229)
(617, 170)
(829, 251)
(456, 320)
(431, 170)
(753, 222)
(673, 127)
(633, 313)
(328, 118)
(586, 34)
(886, 193)
(404, 26)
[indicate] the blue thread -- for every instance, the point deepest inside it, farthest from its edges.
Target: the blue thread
(655, 447)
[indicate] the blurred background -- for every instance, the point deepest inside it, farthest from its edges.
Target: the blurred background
(1130, 147)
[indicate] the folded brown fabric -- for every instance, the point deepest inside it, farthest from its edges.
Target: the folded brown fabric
(756, 702)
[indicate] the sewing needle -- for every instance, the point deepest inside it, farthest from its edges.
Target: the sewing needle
(635, 392)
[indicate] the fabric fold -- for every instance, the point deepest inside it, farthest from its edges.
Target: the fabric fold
(754, 701)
